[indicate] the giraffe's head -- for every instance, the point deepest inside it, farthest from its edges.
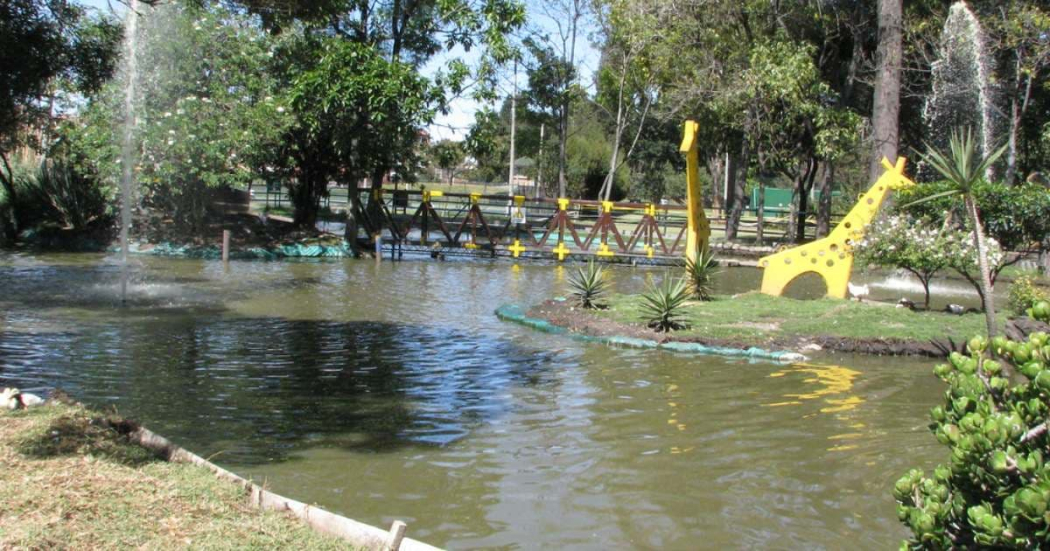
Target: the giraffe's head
(898, 180)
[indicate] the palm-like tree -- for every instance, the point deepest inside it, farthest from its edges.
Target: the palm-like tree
(963, 167)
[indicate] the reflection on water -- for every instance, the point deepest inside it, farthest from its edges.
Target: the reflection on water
(390, 391)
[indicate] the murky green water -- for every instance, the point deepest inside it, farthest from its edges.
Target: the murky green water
(391, 391)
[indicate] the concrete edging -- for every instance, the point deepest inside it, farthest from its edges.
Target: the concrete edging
(516, 314)
(356, 533)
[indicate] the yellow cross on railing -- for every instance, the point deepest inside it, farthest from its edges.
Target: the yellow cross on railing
(604, 251)
(561, 250)
(649, 251)
(516, 248)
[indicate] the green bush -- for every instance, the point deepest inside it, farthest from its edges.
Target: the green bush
(995, 488)
(662, 304)
(588, 284)
(1024, 294)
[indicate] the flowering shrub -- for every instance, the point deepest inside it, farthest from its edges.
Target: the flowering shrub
(897, 241)
(994, 490)
(1024, 294)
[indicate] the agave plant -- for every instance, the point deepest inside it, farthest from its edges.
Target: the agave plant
(662, 304)
(588, 284)
(700, 273)
(963, 166)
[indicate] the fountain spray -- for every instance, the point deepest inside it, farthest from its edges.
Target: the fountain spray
(127, 157)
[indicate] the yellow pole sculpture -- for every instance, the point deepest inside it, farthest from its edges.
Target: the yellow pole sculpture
(832, 256)
(699, 231)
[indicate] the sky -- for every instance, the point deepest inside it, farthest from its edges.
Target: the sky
(456, 123)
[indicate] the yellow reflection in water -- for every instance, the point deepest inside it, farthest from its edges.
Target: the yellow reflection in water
(833, 384)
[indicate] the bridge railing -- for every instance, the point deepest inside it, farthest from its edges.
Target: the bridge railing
(525, 225)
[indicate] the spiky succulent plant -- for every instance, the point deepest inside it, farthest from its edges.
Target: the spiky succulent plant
(588, 284)
(662, 304)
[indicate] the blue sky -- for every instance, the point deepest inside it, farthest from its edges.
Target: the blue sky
(455, 124)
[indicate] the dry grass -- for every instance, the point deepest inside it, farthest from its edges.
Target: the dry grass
(70, 480)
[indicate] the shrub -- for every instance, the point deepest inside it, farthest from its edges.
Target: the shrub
(700, 274)
(995, 488)
(588, 284)
(1024, 294)
(900, 242)
(662, 304)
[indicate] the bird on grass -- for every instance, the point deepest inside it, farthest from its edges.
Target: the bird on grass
(12, 398)
(858, 291)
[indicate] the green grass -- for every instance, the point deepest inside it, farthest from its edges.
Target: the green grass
(68, 480)
(755, 316)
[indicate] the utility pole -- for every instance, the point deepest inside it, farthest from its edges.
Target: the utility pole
(513, 124)
(539, 163)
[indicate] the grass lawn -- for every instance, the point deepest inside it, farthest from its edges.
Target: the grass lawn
(755, 315)
(68, 481)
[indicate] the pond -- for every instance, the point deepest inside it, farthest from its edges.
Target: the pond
(390, 391)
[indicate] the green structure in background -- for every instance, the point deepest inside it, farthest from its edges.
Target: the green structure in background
(778, 200)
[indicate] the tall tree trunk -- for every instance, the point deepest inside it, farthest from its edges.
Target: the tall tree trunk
(1018, 106)
(9, 223)
(823, 186)
(982, 262)
(885, 116)
(805, 185)
(737, 197)
(718, 167)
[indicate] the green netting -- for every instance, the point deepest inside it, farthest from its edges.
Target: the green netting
(516, 314)
(290, 250)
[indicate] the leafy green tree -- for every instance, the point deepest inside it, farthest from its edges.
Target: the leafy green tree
(448, 155)
(357, 114)
(45, 44)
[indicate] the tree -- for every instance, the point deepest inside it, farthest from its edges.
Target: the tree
(626, 80)
(207, 120)
(551, 93)
(448, 155)
(41, 42)
(886, 111)
(963, 169)
(356, 114)
(560, 70)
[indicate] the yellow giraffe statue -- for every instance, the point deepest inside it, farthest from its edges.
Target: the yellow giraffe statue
(832, 256)
(698, 232)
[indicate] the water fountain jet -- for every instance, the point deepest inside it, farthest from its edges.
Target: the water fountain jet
(127, 157)
(962, 93)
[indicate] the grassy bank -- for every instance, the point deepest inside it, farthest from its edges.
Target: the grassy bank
(69, 479)
(757, 317)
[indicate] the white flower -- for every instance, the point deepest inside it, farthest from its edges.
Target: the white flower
(280, 109)
(167, 114)
(180, 112)
(171, 142)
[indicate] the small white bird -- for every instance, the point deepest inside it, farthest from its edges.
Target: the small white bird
(858, 291)
(904, 302)
(12, 398)
(955, 309)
